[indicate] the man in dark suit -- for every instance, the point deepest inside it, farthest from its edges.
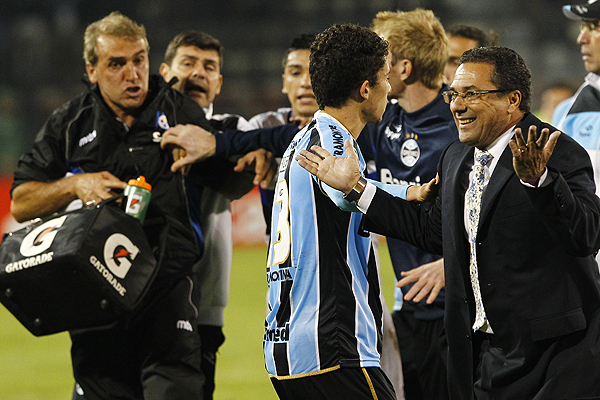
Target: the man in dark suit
(523, 289)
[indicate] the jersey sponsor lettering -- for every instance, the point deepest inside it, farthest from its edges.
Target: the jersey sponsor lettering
(279, 276)
(278, 334)
(385, 176)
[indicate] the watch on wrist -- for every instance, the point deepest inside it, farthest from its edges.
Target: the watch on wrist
(357, 190)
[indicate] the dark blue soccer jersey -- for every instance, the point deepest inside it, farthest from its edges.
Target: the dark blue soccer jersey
(406, 148)
(324, 305)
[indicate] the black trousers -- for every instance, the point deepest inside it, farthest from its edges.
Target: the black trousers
(343, 384)
(423, 353)
(153, 356)
(211, 338)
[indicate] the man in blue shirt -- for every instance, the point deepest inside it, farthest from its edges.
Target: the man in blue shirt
(579, 116)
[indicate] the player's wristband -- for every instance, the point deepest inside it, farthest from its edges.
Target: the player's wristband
(357, 190)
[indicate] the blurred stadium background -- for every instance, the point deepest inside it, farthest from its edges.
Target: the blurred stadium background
(41, 52)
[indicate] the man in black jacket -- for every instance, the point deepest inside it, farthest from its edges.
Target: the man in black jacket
(518, 223)
(89, 148)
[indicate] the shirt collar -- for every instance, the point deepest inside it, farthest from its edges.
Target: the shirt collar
(208, 112)
(497, 148)
(593, 80)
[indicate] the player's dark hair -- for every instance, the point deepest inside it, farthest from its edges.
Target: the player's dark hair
(301, 42)
(341, 58)
(482, 38)
(201, 40)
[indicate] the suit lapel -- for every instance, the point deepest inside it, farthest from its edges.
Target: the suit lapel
(457, 176)
(503, 171)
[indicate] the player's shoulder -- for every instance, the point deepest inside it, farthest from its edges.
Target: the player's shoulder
(271, 118)
(230, 121)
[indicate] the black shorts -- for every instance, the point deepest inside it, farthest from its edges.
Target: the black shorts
(342, 383)
(154, 355)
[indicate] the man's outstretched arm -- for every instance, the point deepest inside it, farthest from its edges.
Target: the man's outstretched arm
(199, 144)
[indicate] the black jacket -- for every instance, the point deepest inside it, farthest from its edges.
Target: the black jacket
(84, 135)
(535, 254)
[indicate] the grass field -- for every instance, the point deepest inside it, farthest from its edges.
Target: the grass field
(33, 368)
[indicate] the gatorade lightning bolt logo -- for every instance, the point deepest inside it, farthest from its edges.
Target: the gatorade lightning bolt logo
(40, 239)
(122, 253)
(134, 205)
(119, 253)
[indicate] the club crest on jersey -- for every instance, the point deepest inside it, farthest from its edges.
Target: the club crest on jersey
(162, 123)
(161, 120)
(410, 152)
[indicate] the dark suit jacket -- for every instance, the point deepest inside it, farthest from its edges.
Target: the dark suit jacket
(535, 250)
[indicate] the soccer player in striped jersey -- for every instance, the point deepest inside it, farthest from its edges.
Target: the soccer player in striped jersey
(323, 331)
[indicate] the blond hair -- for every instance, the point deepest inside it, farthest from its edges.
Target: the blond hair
(417, 36)
(114, 24)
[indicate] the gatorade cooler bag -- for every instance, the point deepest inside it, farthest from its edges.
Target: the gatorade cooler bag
(75, 270)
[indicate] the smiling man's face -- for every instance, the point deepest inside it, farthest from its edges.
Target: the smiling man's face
(121, 73)
(198, 72)
(484, 118)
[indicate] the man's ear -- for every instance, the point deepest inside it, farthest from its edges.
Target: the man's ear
(164, 70)
(91, 72)
(514, 98)
(364, 90)
(405, 68)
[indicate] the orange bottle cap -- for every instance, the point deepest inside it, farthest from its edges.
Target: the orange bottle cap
(140, 182)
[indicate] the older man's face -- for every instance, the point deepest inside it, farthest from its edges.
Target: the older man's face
(121, 73)
(589, 39)
(480, 119)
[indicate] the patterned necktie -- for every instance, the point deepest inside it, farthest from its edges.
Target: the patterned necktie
(473, 206)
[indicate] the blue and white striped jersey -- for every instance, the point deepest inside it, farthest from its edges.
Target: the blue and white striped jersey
(324, 305)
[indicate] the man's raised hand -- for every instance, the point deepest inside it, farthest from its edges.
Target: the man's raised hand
(530, 158)
(339, 173)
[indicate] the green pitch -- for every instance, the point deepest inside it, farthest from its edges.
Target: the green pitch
(33, 368)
